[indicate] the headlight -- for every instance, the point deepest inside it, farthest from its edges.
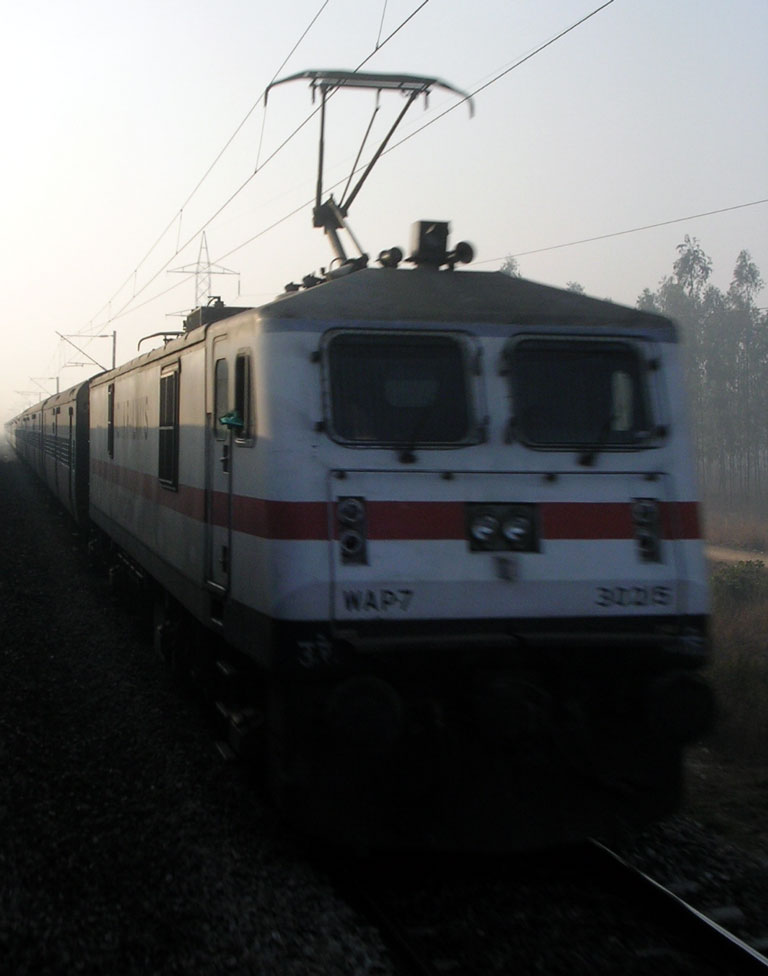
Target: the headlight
(516, 530)
(501, 527)
(484, 528)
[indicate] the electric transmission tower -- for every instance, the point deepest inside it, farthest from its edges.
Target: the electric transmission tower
(203, 272)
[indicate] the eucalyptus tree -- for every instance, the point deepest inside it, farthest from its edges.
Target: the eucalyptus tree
(725, 341)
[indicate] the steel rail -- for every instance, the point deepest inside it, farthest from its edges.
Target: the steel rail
(729, 950)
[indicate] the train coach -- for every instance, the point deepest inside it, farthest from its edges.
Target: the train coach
(445, 523)
(52, 437)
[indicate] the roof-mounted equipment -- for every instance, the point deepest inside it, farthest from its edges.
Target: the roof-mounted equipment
(332, 215)
(429, 246)
(214, 311)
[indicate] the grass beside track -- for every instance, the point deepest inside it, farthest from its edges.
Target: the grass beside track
(739, 669)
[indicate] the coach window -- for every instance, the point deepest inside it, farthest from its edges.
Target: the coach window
(243, 398)
(168, 460)
(111, 420)
(220, 398)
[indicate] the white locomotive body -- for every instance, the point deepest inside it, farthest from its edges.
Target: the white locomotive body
(608, 519)
(446, 523)
(443, 508)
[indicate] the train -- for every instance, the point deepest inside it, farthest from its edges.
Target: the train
(440, 530)
(448, 520)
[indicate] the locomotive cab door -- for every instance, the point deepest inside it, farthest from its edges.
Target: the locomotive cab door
(230, 432)
(220, 439)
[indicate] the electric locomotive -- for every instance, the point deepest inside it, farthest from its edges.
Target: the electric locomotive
(450, 519)
(444, 523)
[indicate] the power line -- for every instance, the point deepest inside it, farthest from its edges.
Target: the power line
(451, 108)
(381, 25)
(124, 310)
(178, 214)
(253, 107)
(542, 47)
(631, 230)
(501, 74)
(125, 307)
(223, 257)
(388, 38)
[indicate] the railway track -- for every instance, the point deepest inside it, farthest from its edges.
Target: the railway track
(709, 939)
(593, 913)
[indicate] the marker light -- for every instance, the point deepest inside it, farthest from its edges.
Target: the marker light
(350, 510)
(352, 545)
(647, 524)
(645, 511)
(352, 530)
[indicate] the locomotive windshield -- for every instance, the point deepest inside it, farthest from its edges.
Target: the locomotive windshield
(578, 393)
(398, 388)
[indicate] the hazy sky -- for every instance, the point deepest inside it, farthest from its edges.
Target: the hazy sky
(649, 111)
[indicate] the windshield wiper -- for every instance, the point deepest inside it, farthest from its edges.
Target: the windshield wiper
(406, 453)
(588, 457)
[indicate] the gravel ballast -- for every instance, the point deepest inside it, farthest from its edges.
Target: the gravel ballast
(126, 844)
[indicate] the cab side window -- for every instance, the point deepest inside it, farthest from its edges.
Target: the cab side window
(220, 398)
(111, 420)
(244, 397)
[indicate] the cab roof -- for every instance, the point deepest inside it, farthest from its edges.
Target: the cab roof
(429, 295)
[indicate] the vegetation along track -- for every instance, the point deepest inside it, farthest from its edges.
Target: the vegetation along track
(584, 911)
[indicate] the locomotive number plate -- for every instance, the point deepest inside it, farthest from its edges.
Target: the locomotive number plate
(633, 596)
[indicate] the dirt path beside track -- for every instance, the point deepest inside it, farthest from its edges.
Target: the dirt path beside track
(722, 554)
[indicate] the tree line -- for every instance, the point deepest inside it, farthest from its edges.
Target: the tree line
(725, 348)
(725, 345)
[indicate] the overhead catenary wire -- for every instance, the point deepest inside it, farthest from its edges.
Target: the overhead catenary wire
(517, 64)
(451, 108)
(620, 233)
(239, 247)
(480, 88)
(307, 203)
(124, 311)
(381, 23)
(388, 38)
(129, 302)
(178, 213)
